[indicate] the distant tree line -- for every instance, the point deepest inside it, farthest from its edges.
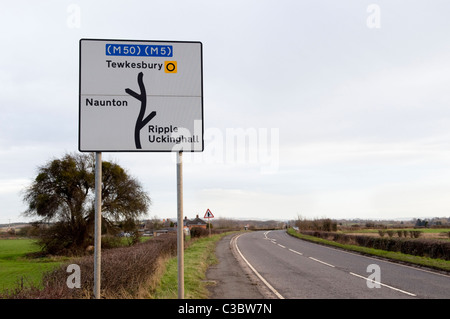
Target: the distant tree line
(324, 224)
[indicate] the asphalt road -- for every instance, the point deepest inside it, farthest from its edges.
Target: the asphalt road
(292, 269)
(231, 278)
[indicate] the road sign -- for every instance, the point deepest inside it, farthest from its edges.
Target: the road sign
(208, 214)
(140, 96)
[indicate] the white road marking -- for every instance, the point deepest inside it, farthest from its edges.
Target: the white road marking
(320, 261)
(390, 287)
(296, 252)
(256, 272)
(281, 246)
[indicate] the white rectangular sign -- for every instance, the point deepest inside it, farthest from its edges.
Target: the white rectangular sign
(140, 96)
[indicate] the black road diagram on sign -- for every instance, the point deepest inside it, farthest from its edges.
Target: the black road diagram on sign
(141, 121)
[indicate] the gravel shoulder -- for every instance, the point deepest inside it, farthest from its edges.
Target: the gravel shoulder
(231, 278)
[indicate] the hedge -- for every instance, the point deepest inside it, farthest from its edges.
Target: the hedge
(417, 247)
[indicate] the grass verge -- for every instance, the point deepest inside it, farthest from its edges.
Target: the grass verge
(438, 264)
(198, 256)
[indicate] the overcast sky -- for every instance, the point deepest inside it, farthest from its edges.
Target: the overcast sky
(345, 104)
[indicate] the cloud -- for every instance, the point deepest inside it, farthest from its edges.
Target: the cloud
(361, 114)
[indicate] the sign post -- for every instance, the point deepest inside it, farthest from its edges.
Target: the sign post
(98, 224)
(209, 215)
(140, 96)
(180, 226)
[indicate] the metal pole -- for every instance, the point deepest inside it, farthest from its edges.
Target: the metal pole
(180, 230)
(209, 226)
(98, 224)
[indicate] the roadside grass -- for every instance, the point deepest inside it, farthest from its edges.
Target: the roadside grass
(438, 264)
(198, 256)
(18, 269)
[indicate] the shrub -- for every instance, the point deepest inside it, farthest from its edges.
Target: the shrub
(197, 232)
(415, 233)
(328, 225)
(111, 241)
(58, 239)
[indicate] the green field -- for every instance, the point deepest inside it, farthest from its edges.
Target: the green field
(16, 267)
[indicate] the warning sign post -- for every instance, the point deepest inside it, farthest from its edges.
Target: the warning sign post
(209, 215)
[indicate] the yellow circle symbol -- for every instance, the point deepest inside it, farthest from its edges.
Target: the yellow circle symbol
(170, 66)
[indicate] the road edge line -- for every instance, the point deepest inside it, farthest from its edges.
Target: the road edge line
(234, 239)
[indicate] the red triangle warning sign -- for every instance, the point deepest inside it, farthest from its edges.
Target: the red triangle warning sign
(208, 214)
